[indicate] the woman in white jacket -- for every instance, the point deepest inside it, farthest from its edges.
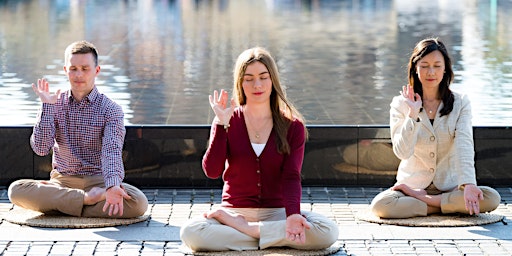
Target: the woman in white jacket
(432, 135)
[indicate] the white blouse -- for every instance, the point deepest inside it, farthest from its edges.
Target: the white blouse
(258, 148)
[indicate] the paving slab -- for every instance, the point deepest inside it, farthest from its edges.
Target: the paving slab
(170, 208)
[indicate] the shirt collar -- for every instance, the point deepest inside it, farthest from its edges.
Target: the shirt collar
(89, 98)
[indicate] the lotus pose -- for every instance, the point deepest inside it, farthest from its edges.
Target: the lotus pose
(257, 145)
(85, 130)
(432, 135)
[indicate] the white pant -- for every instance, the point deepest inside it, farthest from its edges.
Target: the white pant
(395, 204)
(202, 234)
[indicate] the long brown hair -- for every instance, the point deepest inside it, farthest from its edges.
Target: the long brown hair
(283, 111)
(423, 48)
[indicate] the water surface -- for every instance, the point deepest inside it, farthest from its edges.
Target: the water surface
(342, 61)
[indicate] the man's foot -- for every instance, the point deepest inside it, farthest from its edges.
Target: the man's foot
(237, 222)
(94, 195)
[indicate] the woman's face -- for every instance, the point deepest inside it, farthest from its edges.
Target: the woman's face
(257, 83)
(430, 69)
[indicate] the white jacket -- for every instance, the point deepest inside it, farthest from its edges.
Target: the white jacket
(442, 153)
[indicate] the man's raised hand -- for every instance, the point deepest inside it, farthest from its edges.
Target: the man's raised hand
(42, 90)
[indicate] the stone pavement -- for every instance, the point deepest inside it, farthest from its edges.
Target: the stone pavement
(169, 208)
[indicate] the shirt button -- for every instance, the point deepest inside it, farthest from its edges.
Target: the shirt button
(432, 154)
(432, 138)
(431, 170)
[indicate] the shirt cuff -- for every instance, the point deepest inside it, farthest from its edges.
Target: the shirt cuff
(112, 181)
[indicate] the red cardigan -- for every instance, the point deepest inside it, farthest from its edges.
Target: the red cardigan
(271, 180)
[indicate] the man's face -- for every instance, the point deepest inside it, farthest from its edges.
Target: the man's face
(81, 72)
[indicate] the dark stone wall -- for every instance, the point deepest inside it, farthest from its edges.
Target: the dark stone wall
(170, 156)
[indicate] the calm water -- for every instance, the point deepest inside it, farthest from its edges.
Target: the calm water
(342, 61)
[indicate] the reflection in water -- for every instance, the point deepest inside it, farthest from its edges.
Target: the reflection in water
(342, 61)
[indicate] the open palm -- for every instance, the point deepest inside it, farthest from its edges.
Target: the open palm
(219, 104)
(43, 91)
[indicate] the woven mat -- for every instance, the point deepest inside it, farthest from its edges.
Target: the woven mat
(36, 219)
(278, 251)
(348, 168)
(434, 220)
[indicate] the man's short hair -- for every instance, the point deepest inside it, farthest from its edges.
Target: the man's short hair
(81, 47)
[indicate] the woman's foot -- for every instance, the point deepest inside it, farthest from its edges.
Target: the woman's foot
(235, 221)
(416, 193)
(94, 195)
(433, 201)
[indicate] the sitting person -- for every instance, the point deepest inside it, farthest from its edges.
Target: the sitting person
(86, 131)
(258, 149)
(432, 134)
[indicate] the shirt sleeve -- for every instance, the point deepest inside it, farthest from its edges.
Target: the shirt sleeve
(292, 167)
(214, 159)
(43, 134)
(404, 130)
(464, 145)
(112, 147)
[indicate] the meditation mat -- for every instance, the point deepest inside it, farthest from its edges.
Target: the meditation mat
(348, 168)
(274, 251)
(435, 220)
(37, 219)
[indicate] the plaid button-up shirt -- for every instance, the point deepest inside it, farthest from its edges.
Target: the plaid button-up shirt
(86, 137)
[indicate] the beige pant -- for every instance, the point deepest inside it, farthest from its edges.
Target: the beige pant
(395, 204)
(201, 234)
(65, 194)
(377, 156)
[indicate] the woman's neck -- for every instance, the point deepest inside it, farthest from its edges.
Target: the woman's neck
(430, 95)
(258, 111)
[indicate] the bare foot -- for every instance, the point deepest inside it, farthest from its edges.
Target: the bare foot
(48, 183)
(237, 222)
(416, 193)
(433, 201)
(94, 195)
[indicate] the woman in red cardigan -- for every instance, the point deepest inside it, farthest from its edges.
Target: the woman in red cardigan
(257, 145)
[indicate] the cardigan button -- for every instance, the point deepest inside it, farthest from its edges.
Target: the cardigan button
(432, 154)
(431, 170)
(432, 138)
(258, 171)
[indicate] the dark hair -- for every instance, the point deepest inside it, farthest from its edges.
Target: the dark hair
(283, 111)
(423, 48)
(81, 47)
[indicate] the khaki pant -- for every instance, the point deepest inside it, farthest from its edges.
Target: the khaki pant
(202, 234)
(377, 156)
(65, 194)
(395, 204)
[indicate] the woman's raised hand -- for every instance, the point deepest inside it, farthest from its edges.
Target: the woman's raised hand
(413, 100)
(219, 104)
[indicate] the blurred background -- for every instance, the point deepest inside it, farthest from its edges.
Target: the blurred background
(341, 61)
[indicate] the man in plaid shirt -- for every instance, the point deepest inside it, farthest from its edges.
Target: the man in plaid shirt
(85, 130)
